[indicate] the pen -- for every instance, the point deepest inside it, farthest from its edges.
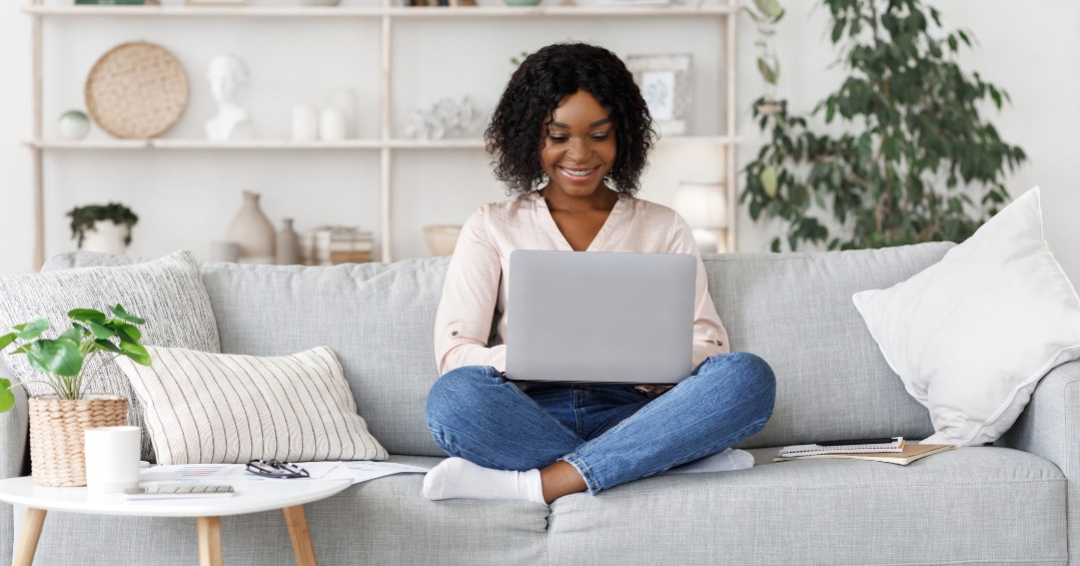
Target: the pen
(856, 441)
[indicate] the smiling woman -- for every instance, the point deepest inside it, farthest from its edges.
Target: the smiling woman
(570, 136)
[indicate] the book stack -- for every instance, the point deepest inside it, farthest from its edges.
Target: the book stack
(891, 450)
(333, 245)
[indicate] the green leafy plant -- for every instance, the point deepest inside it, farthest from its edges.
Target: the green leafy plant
(765, 16)
(920, 153)
(84, 217)
(64, 360)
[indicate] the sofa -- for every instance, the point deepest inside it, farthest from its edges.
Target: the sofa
(1015, 502)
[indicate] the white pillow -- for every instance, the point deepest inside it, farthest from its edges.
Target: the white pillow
(203, 408)
(972, 335)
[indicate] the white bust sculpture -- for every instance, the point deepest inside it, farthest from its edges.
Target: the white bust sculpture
(226, 72)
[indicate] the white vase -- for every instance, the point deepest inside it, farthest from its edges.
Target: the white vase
(253, 232)
(106, 236)
(288, 245)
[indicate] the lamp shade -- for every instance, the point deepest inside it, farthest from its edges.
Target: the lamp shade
(702, 205)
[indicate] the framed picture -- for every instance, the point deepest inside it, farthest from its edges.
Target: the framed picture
(664, 81)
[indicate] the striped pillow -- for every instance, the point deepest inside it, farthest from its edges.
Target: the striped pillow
(227, 409)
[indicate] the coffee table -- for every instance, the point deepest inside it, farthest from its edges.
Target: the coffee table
(251, 497)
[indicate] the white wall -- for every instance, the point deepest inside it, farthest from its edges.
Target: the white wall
(186, 199)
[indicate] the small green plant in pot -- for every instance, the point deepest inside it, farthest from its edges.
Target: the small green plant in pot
(57, 421)
(102, 228)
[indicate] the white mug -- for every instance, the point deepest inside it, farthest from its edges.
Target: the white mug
(112, 458)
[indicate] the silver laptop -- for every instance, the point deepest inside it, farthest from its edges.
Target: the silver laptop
(600, 317)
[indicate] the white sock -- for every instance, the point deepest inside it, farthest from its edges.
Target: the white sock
(725, 461)
(457, 478)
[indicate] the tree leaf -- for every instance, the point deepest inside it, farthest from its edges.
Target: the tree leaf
(768, 181)
(123, 315)
(61, 357)
(766, 72)
(32, 330)
(7, 399)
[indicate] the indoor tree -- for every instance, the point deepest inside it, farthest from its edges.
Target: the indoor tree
(917, 161)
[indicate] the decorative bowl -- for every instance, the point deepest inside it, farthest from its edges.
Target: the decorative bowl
(442, 239)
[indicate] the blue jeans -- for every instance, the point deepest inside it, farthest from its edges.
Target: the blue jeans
(612, 434)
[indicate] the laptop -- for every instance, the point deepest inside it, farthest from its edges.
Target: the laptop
(600, 317)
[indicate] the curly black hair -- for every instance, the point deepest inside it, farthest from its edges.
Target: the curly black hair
(535, 90)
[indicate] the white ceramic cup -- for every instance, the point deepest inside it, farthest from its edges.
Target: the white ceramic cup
(112, 458)
(332, 124)
(305, 123)
(224, 251)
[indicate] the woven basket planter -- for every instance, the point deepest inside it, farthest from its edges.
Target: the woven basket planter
(56, 435)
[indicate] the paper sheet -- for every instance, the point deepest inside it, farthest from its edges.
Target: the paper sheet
(356, 472)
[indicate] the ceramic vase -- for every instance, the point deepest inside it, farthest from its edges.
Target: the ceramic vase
(253, 232)
(74, 125)
(106, 236)
(288, 245)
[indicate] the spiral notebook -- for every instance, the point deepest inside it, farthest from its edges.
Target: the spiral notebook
(897, 445)
(910, 453)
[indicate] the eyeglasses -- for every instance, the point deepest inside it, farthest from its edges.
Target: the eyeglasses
(275, 469)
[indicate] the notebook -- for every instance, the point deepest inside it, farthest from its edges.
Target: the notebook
(910, 453)
(896, 445)
(600, 317)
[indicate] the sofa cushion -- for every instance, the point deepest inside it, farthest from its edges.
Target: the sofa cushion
(795, 311)
(378, 318)
(167, 292)
(972, 505)
(203, 408)
(972, 335)
(982, 505)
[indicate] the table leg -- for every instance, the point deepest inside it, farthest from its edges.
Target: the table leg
(301, 538)
(28, 537)
(209, 541)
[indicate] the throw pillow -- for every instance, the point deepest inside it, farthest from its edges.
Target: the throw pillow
(167, 292)
(226, 409)
(972, 335)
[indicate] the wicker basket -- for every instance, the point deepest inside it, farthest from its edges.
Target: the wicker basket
(56, 434)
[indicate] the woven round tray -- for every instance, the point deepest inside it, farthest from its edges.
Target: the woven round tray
(137, 90)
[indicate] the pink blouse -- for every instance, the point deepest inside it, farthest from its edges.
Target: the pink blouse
(479, 272)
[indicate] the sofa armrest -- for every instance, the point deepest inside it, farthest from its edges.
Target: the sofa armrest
(14, 427)
(1048, 428)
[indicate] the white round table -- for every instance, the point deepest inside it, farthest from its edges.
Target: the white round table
(251, 497)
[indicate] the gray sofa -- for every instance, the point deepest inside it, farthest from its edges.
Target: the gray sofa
(1008, 504)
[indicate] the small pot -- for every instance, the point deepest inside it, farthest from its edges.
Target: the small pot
(57, 434)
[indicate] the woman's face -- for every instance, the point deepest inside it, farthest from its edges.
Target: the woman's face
(578, 148)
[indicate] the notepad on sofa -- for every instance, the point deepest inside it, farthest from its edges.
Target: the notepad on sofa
(894, 445)
(910, 453)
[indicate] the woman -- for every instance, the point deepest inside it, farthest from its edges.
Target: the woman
(573, 123)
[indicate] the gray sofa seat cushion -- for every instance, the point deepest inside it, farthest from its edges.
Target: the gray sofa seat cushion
(983, 505)
(385, 521)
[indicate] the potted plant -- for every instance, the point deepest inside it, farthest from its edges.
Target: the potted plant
(57, 420)
(917, 161)
(102, 228)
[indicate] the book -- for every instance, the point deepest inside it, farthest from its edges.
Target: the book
(910, 453)
(896, 445)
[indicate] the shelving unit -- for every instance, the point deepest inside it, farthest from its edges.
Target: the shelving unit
(386, 144)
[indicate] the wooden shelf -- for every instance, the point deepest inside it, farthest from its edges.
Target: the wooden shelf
(315, 145)
(377, 12)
